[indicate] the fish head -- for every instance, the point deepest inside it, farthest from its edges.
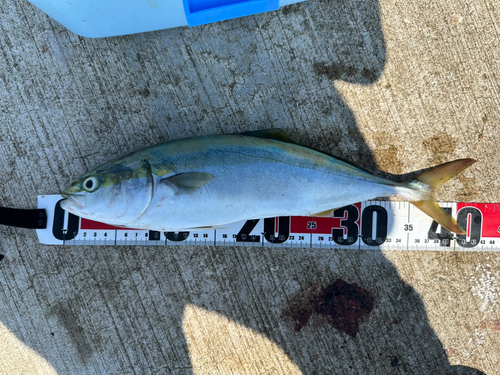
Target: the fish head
(116, 193)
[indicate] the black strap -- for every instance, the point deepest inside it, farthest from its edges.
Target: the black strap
(36, 219)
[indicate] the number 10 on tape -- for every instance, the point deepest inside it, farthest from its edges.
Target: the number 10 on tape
(367, 225)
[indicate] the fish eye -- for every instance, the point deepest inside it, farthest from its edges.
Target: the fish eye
(90, 184)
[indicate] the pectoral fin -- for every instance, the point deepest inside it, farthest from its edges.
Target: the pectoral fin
(188, 183)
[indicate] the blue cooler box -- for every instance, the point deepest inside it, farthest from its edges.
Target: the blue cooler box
(102, 18)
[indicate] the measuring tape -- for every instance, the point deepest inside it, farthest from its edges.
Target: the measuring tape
(385, 225)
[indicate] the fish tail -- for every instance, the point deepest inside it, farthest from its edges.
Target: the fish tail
(435, 177)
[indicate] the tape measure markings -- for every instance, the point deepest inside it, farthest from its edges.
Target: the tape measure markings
(385, 225)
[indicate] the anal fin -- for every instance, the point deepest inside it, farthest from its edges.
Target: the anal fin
(326, 213)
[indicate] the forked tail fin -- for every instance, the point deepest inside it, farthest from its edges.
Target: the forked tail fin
(435, 177)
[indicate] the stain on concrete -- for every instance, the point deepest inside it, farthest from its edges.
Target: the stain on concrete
(69, 320)
(394, 361)
(441, 146)
(388, 161)
(350, 73)
(370, 74)
(334, 71)
(386, 152)
(469, 190)
(344, 306)
(493, 324)
(292, 8)
(144, 92)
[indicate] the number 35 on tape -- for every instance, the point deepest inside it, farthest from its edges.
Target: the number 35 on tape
(366, 225)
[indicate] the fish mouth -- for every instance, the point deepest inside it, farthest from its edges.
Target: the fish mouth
(73, 202)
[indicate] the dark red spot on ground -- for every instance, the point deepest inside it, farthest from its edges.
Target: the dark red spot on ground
(493, 324)
(344, 306)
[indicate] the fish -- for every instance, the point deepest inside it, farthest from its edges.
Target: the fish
(211, 181)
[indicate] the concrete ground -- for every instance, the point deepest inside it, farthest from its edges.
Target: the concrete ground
(390, 85)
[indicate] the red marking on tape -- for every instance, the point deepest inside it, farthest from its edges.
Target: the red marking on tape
(491, 217)
(95, 225)
(322, 225)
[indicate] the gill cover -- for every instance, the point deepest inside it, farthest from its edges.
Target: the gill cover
(123, 193)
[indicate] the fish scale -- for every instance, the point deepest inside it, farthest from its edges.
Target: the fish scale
(383, 225)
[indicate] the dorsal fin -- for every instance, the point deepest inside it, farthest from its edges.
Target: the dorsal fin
(276, 134)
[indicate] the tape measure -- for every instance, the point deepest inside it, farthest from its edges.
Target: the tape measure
(385, 225)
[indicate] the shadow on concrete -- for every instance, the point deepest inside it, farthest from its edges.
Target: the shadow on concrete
(281, 74)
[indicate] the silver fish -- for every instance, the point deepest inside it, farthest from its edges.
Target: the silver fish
(207, 182)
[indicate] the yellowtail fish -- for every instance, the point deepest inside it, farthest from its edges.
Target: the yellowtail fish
(207, 182)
